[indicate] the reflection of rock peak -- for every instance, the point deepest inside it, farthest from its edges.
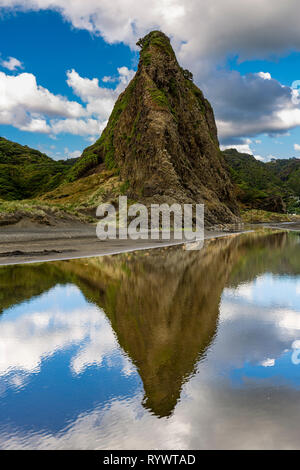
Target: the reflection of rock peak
(163, 304)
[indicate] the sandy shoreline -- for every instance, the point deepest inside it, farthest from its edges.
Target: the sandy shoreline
(33, 244)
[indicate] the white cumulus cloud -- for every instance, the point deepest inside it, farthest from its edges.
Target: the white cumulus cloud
(204, 36)
(264, 75)
(100, 100)
(30, 107)
(11, 64)
(24, 104)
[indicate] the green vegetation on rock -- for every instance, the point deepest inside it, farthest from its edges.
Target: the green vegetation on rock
(154, 38)
(103, 150)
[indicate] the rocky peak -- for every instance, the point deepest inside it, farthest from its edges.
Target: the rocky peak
(161, 138)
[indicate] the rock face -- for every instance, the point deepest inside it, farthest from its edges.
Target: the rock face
(162, 138)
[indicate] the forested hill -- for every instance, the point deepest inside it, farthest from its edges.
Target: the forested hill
(25, 172)
(273, 186)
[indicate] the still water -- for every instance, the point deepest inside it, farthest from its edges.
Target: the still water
(157, 349)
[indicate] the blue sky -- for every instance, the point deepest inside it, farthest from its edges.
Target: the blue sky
(74, 358)
(54, 56)
(49, 48)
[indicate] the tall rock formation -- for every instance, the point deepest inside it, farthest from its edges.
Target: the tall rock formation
(162, 138)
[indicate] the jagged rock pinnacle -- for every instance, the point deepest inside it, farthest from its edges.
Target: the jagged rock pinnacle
(162, 140)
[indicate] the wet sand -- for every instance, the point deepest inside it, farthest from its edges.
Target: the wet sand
(29, 243)
(33, 243)
(294, 226)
